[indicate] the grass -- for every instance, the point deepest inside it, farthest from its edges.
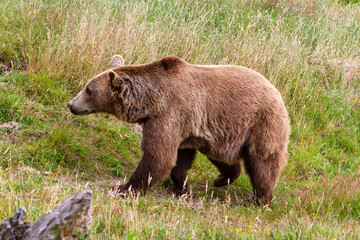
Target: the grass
(307, 49)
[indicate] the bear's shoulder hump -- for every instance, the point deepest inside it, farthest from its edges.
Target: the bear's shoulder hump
(172, 62)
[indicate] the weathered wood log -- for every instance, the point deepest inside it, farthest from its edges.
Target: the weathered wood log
(14, 227)
(69, 220)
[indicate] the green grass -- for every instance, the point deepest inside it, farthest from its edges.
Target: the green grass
(307, 49)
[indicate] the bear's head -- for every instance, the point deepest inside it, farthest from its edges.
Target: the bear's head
(115, 92)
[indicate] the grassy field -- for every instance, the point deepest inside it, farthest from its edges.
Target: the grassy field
(308, 49)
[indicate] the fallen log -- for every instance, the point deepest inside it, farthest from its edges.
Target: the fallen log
(70, 220)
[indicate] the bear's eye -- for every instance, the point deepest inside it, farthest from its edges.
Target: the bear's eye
(88, 91)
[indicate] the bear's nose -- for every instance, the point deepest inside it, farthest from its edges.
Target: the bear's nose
(69, 105)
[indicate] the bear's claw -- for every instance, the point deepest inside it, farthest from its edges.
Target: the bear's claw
(187, 191)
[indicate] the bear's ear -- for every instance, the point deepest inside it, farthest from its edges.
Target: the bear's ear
(120, 84)
(115, 81)
(117, 61)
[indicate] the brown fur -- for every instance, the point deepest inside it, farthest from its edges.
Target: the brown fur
(228, 113)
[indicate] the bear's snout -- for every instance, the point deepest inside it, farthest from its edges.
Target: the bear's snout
(76, 111)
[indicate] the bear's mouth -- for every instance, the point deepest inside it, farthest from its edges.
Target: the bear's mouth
(84, 112)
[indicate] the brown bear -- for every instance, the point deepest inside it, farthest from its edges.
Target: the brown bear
(228, 113)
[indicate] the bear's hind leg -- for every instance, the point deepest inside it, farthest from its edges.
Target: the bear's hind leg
(228, 173)
(264, 172)
(185, 159)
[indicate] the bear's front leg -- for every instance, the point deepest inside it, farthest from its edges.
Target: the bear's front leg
(160, 153)
(152, 169)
